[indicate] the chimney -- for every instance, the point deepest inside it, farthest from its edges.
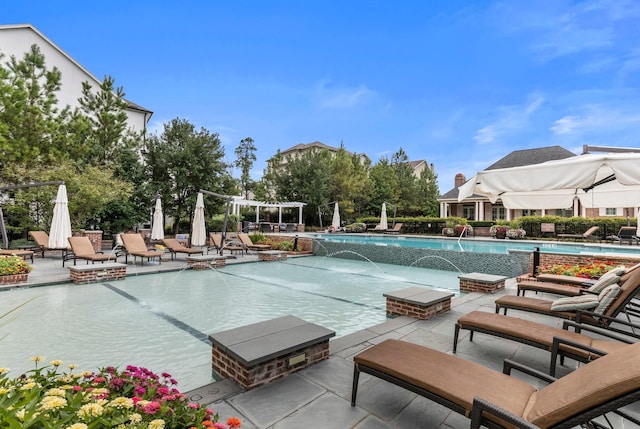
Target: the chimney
(459, 180)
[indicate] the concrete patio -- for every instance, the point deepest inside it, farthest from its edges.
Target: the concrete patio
(318, 397)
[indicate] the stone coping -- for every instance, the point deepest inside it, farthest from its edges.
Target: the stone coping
(205, 258)
(419, 295)
(482, 277)
(262, 341)
(273, 252)
(97, 267)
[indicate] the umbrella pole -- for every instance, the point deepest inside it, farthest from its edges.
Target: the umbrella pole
(3, 229)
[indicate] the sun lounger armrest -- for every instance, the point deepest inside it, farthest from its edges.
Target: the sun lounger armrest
(604, 332)
(509, 364)
(482, 406)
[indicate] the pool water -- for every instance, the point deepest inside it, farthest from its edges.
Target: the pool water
(162, 321)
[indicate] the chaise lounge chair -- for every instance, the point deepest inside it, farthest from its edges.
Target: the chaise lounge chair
(626, 234)
(81, 248)
(497, 400)
(41, 239)
(134, 245)
(587, 235)
(559, 341)
(395, 230)
(215, 242)
(24, 254)
(576, 286)
(246, 241)
(175, 247)
(613, 303)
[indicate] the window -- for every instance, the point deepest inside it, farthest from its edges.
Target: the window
(611, 211)
(498, 212)
(564, 212)
(469, 212)
(527, 212)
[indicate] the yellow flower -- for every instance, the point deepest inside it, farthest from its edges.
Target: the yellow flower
(37, 359)
(55, 392)
(77, 426)
(90, 410)
(20, 414)
(52, 402)
(56, 362)
(135, 418)
(28, 386)
(4, 391)
(156, 424)
(72, 366)
(121, 402)
(3, 370)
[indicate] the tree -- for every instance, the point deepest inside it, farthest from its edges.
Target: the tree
(32, 126)
(428, 193)
(105, 110)
(384, 185)
(349, 180)
(182, 161)
(245, 157)
(406, 183)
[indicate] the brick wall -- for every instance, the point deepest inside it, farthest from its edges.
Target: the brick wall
(397, 307)
(468, 285)
(97, 274)
(257, 375)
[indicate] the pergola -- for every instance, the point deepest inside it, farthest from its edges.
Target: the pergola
(238, 202)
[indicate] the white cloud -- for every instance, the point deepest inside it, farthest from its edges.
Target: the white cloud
(595, 118)
(510, 120)
(342, 97)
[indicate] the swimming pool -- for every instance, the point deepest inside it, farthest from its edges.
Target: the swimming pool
(510, 258)
(162, 321)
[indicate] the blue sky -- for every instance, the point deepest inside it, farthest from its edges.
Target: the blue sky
(457, 83)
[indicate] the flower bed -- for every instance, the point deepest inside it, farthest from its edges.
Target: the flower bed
(588, 271)
(14, 269)
(130, 398)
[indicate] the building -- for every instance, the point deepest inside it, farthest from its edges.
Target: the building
(480, 208)
(16, 40)
(298, 150)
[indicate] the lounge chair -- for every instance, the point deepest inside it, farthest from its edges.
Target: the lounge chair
(41, 239)
(587, 235)
(246, 240)
(611, 305)
(626, 234)
(496, 400)
(134, 245)
(81, 248)
(395, 230)
(175, 247)
(559, 341)
(573, 286)
(215, 242)
(24, 254)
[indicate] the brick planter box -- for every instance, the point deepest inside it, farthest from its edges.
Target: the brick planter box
(260, 353)
(14, 279)
(272, 255)
(480, 282)
(97, 272)
(417, 302)
(205, 262)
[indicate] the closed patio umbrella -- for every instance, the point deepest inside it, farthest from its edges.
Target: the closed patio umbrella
(335, 223)
(199, 230)
(61, 223)
(383, 217)
(157, 229)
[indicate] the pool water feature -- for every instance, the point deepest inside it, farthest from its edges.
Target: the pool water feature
(509, 258)
(162, 321)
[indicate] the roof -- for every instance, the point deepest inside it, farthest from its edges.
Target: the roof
(518, 158)
(130, 105)
(305, 146)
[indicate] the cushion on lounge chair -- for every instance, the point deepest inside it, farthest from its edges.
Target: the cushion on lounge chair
(606, 297)
(609, 278)
(581, 302)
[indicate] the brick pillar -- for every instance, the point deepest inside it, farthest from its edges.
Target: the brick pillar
(95, 237)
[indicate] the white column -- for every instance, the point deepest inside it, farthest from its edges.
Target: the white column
(300, 215)
(279, 214)
(257, 213)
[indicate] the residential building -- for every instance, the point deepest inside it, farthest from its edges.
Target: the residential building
(16, 40)
(298, 150)
(480, 208)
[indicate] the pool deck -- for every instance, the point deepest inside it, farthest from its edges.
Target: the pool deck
(319, 396)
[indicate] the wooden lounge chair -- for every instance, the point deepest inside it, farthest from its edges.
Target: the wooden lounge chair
(497, 400)
(175, 247)
(395, 230)
(81, 248)
(246, 240)
(629, 286)
(559, 341)
(572, 286)
(134, 245)
(215, 242)
(24, 254)
(41, 239)
(587, 235)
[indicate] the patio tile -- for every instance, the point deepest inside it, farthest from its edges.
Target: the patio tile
(316, 415)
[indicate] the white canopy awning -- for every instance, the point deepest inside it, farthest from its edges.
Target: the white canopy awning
(610, 180)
